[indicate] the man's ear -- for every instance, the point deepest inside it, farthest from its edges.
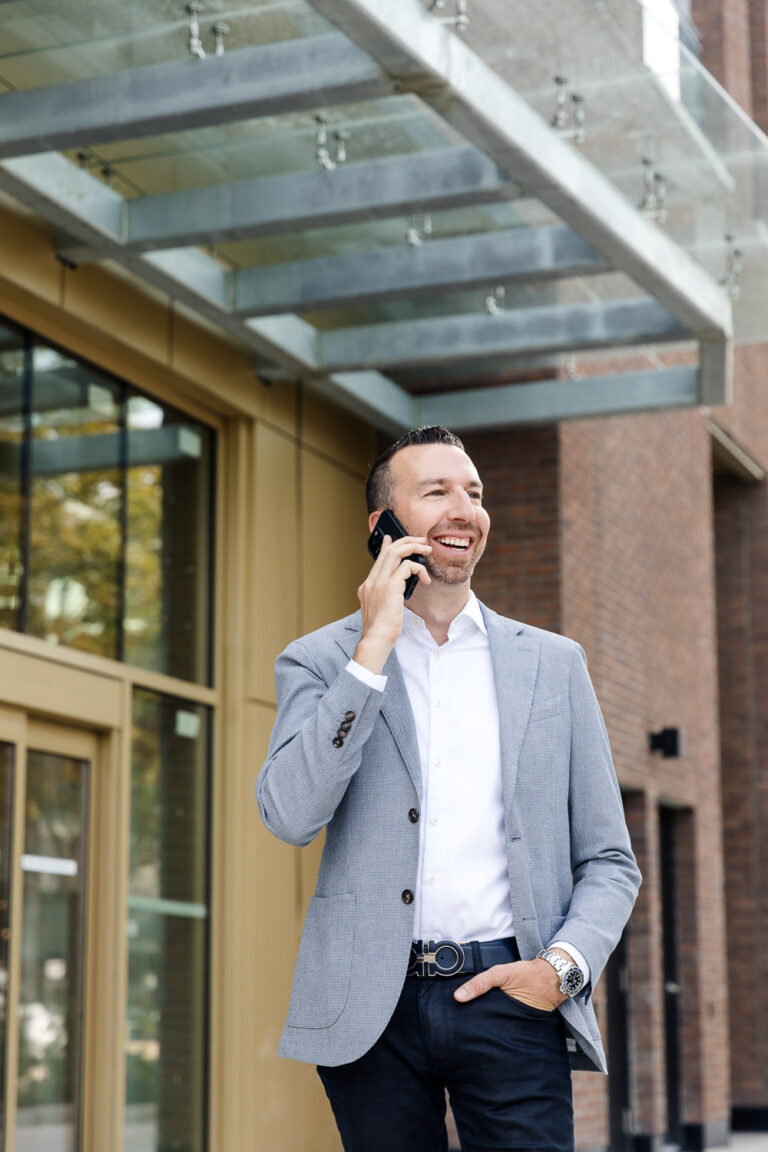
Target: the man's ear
(373, 519)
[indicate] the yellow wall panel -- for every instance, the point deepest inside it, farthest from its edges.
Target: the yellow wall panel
(27, 258)
(333, 534)
(273, 585)
(337, 433)
(134, 314)
(282, 1108)
(215, 364)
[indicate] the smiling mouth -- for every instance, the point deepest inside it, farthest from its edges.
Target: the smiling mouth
(454, 543)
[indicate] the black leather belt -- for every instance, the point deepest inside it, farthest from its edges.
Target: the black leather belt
(450, 958)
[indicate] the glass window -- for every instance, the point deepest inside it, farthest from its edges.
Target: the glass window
(105, 514)
(13, 363)
(76, 505)
(52, 954)
(167, 926)
(168, 546)
(7, 755)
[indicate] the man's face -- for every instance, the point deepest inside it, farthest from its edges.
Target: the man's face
(438, 494)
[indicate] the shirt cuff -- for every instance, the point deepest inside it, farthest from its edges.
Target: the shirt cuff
(369, 678)
(577, 956)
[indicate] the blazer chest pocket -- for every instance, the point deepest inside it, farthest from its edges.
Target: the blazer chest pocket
(324, 963)
(544, 709)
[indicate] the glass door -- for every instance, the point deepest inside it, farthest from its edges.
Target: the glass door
(44, 804)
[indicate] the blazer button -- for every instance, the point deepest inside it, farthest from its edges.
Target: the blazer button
(345, 726)
(413, 816)
(341, 733)
(337, 742)
(349, 715)
(407, 896)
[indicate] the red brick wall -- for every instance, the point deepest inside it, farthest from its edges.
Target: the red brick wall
(758, 12)
(742, 573)
(724, 27)
(519, 575)
(638, 591)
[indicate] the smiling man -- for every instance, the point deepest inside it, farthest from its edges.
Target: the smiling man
(477, 872)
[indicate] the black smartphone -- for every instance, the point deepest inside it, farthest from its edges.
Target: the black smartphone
(389, 525)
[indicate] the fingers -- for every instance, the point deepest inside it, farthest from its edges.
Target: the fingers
(482, 982)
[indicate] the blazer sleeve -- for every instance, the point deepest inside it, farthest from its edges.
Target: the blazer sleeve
(311, 758)
(605, 873)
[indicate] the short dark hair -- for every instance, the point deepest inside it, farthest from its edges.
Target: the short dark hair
(379, 492)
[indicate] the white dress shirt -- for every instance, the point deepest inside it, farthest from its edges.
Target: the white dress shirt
(462, 885)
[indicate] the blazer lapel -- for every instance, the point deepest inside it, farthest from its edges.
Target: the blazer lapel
(395, 707)
(515, 658)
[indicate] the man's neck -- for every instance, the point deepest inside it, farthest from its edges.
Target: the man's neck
(439, 605)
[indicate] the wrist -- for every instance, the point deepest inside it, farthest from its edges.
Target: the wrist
(372, 654)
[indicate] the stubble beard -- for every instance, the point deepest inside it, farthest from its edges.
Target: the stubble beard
(451, 573)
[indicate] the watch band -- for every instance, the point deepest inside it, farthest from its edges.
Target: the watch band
(570, 975)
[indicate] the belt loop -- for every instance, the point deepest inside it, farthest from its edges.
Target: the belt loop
(477, 959)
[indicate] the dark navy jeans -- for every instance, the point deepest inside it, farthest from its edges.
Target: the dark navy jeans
(505, 1067)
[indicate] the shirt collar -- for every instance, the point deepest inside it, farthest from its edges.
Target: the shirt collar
(471, 614)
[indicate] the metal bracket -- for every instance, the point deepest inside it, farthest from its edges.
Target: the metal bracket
(418, 229)
(195, 44)
(494, 302)
(569, 123)
(734, 265)
(322, 155)
(654, 198)
(460, 21)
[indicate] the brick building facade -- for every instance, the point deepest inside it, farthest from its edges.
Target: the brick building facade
(646, 539)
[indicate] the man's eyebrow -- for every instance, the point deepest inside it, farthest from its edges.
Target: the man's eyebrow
(442, 480)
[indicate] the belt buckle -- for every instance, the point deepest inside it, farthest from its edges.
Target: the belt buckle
(429, 961)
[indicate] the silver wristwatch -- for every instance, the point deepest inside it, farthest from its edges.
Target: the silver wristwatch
(571, 976)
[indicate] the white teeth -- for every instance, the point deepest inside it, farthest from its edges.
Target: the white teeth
(453, 541)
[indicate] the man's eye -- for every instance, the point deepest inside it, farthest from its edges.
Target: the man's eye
(476, 496)
(435, 492)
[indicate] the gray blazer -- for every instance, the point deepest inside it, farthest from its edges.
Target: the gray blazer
(572, 874)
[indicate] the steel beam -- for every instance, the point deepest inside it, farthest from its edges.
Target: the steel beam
(514, 405)
(519, 332)
(548, 401)
(445, 178)
(522, 254)
(263, 81)
(421, 54)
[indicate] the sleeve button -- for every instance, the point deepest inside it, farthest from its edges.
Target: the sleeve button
(337, 742)
(345, 726)
(407, 896)
(349, 715)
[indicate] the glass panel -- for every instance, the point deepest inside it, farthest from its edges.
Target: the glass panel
(7, 756)
(12, 428)
(76, 505)
(52, 954)
(168, 554)
(42, 44)
(167, 926)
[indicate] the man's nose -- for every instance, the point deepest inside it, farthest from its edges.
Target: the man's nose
(461, 507)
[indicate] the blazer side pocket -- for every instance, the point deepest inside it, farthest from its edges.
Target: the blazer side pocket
(324, 963)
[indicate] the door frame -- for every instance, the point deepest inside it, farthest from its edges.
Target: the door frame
(104, 958)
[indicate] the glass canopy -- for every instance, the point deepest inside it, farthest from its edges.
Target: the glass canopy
(615, 79)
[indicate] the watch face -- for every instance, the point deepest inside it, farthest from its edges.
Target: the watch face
(573, 981)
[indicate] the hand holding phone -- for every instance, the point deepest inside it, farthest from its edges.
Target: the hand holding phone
(389, 525)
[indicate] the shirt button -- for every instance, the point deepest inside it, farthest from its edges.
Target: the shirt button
(437, 764)
(433, 820)
(337, 742)
(407, 896)
(437, 703)
(413, 816)
(431, 879)
(435, 655)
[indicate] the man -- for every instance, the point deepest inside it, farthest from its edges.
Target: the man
(477, 871)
